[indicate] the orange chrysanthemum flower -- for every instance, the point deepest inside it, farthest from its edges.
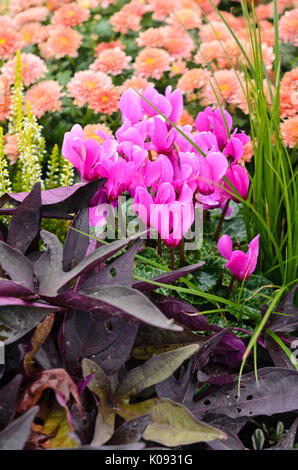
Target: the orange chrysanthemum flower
(82, 85)
(185, 18)
(177, 42)
(152, 62)
(62, 41)
(289, 94)
(111, 61)
(139, 83)
(70, 15)
(89, 132)
(103, 46)
(44, 96)
(192, 80)
(10, 42)
(11, 147)
(5, 99)
(224, 82)
(31, 14)
(289, 131)
(152, 37)
(105, 101)
(288, 27)
(33, 68)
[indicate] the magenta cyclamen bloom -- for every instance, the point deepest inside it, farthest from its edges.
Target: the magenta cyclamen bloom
(238, 177)
(241, 264)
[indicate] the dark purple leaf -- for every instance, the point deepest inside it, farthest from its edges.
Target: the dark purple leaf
(181, 311)
(289, 320)
(131, 431)
(49, 268)
(25, 224)
(276, 392)
(230, 349)
(288, 441)
(230, 427)
(8, 397)
(277, 354)
(203, 356)
(130, 303)
(166, 278)
(106, 343)
(59, 202)
(11, 289)
(15, 435)
(76, 243)
(118, 272)
(17, 266)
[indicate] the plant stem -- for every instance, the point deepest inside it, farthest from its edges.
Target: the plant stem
(223, 214)
(159, 246)
(230, 288)
(182, 259)
(172, 259)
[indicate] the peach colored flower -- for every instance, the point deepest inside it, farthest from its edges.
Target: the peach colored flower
(178, 68)
(263, 12)
(185, 18)
(161, 9)
(289, 94)
(62, 41)
(177, 42)
(248, 153)
(33, 68)
(53, 5)
(31, 33)
(235, 22)
(186, 119)
(89, 132)
(105, 101)
(224, 83)
(16, 6)
(288, 27)
(139, 83)
(83, 84)
(152, 62)
(192, 79)
(267, 32)
(44, 96)
(70, 15)
(31, 14)
(151, 37)
(5, 99)
(289, 131)
(106, 3)
(6, 22)
(215, 31)
(11, 147)
(108, 45)
(212, 51)
(10, 42)
(122, 22)
(111, 61)
(206, 5)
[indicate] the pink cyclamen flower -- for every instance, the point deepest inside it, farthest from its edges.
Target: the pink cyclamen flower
(241, 264)
(239, 179)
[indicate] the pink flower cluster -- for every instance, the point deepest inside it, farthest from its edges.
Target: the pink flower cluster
(166, 174)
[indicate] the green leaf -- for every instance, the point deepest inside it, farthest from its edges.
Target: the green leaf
(171, 424)
(154, 370)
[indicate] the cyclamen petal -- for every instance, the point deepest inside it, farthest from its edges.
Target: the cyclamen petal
(225, 246)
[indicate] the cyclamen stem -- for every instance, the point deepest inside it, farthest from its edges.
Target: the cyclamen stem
(159, 246)
(172, 259)
(182, 259)
(223, 214)
(230, 288)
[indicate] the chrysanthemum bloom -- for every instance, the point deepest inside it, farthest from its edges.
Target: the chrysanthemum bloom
(105, 101)
(289, 93)
(177, 42)
(32, 14)
(152, 62)
(267, 32)
(30, 33)
(289, 131)
(44, 96)
(89, 132)
(212, 51)
(248, 153)
(5, 99)
(106, 3)
(216, 31)
(111, 61)
(186, 119)
(152, 37)
(33, 68)
(224, 82)
(10, 42)
(185, 18)
(16, 6)
(193, 79)
(161, 9)
(11, 147)
(103, 46)
(53, 5)
(122, 22)
(139, 83)
(178, 68)
(61, 42)
(235, 22)
(70, 15)
(206, 5)
(288, 27)
(83, 84)
(6, 22)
